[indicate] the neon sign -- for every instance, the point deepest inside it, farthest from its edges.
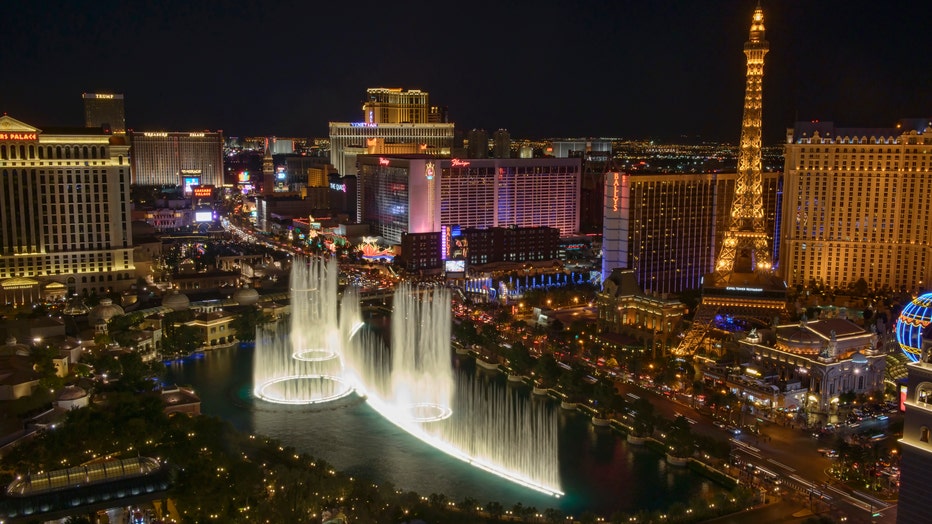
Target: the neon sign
(741, 288)
(338, 187)
(19, 136)
(203, 192)
(615, 191)
(103, 96)
(363, 124)
(456, 162)
(196, 135)
(383, 161)
(429, 171)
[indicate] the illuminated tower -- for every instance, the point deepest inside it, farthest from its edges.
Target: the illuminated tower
(744, 246)
(268, 170)
(742, 292)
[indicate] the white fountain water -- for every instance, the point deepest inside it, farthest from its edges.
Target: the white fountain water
(301, 362)
(321, 356)
(483, 423)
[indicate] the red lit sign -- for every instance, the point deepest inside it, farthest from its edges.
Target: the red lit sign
(203, 192)
(19, 136)
(383, 161)
(456, 162)
(615, 192)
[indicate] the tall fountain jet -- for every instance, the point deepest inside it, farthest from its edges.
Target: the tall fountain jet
(323, 354)
(302, 361)
(422, 377)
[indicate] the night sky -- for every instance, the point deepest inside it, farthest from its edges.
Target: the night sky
(660, 69)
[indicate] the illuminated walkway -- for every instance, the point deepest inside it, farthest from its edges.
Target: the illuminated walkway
(58, 493)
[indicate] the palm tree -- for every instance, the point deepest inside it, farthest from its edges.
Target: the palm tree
(495, 510)
(643, 418)
(680, 440)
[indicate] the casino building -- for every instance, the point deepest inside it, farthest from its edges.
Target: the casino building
(177, 159)
(64, 212)
(420, 193)
(667, 227)
(395, 122)
(827, 357)
(857, 205)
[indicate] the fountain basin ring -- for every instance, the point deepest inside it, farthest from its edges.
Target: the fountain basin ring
(427, 412)
(314, 355)
(265, 391)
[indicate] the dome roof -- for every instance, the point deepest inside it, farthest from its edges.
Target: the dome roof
(912, 321)
(104, 311)
(799, 339)
(246, 296)
(176, 301)
(72, 393)
(858, 358)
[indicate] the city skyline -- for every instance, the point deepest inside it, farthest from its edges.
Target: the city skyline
(646, 70)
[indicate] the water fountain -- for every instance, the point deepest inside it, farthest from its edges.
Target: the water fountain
(301, 361)
(321, 356)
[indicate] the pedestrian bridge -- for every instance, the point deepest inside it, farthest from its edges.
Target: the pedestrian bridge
(82, 489)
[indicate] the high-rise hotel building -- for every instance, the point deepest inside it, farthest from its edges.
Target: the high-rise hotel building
(857, 205)
(422, 194)
(395, 122)
(177, 158)
(916, 444)
(667, 227)
(64, 212)
(104, 110)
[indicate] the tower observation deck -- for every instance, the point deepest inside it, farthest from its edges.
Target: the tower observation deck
(743, 289)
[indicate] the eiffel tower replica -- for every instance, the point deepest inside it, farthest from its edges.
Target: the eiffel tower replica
(743, 287)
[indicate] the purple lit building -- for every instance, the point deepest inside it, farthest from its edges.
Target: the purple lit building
(420, 194)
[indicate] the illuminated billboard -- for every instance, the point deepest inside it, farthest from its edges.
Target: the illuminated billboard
(280, 173)
(243, 177)
(454, 266)
(203, 191)
(188, 182)
(204, 215)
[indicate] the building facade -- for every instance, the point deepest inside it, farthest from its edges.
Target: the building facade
(624, 308)
(477, 144)
(351, 139)
(828, 357)
(666, 227)
(419, 194)
(177, 159)
(64, 212)
(501, 144)
(393, 105)
(395, 122)
(916, 444)
(569, 147)
(857, 206)
(104, 110)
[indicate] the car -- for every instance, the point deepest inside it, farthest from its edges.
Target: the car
(719, 424)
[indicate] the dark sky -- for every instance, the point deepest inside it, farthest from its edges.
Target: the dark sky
(634, 69)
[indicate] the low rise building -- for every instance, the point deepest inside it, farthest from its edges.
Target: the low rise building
(828, 357)
(624, 308)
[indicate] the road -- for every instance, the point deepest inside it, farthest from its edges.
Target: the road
(790, 454)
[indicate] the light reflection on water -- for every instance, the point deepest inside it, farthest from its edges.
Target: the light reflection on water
(599, 471)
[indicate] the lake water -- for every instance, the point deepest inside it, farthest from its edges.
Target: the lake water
(599, 471)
